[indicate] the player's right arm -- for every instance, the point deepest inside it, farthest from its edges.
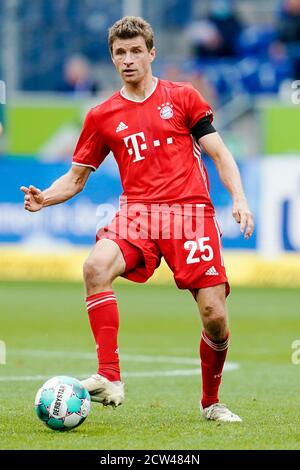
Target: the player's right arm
(64, 188)
(89, 153)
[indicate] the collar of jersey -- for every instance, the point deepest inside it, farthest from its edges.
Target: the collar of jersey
(145, 99)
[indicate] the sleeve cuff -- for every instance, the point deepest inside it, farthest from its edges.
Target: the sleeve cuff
(84, 164)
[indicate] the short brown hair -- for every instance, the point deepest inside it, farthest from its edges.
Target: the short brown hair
(129, 27)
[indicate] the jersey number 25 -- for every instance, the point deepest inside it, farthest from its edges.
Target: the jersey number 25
(205, 249)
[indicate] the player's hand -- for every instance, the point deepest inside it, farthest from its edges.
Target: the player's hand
(244, 217)
(33, 199)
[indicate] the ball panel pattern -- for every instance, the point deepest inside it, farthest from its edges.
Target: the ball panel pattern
(62, 403)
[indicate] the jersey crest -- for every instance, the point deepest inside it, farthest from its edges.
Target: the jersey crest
(166, 111)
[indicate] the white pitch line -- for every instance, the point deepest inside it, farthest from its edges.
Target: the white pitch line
(229, 366)
(162, 359)
(92, 356)
(159, 373)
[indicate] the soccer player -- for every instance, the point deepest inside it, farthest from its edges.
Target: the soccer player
(155, 129)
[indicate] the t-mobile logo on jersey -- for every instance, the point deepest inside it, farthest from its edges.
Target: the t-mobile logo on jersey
(136, 142)
(133, 139)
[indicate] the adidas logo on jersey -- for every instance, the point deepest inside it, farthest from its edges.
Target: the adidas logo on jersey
(121, 127)
(212, 272)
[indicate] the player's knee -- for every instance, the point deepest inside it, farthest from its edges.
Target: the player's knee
(215, 321)
(97, 272)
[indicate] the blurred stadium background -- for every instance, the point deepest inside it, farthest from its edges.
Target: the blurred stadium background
(244, 57)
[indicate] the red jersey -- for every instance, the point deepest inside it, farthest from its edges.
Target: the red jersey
(158, 159)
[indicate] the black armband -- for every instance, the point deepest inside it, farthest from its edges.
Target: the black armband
(202, 128)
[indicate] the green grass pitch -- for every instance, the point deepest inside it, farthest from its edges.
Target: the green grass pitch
(46, 331)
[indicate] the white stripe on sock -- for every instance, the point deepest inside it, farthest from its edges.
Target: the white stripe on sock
(89, 302)
(92, 305)
(215, 346)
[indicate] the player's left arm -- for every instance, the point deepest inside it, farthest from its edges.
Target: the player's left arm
(230, 176)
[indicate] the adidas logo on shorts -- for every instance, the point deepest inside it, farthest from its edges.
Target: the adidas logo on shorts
(212, 272)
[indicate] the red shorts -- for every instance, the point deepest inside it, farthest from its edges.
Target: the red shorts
(189, 243)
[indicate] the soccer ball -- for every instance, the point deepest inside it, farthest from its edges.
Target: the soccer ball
(62, 403)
